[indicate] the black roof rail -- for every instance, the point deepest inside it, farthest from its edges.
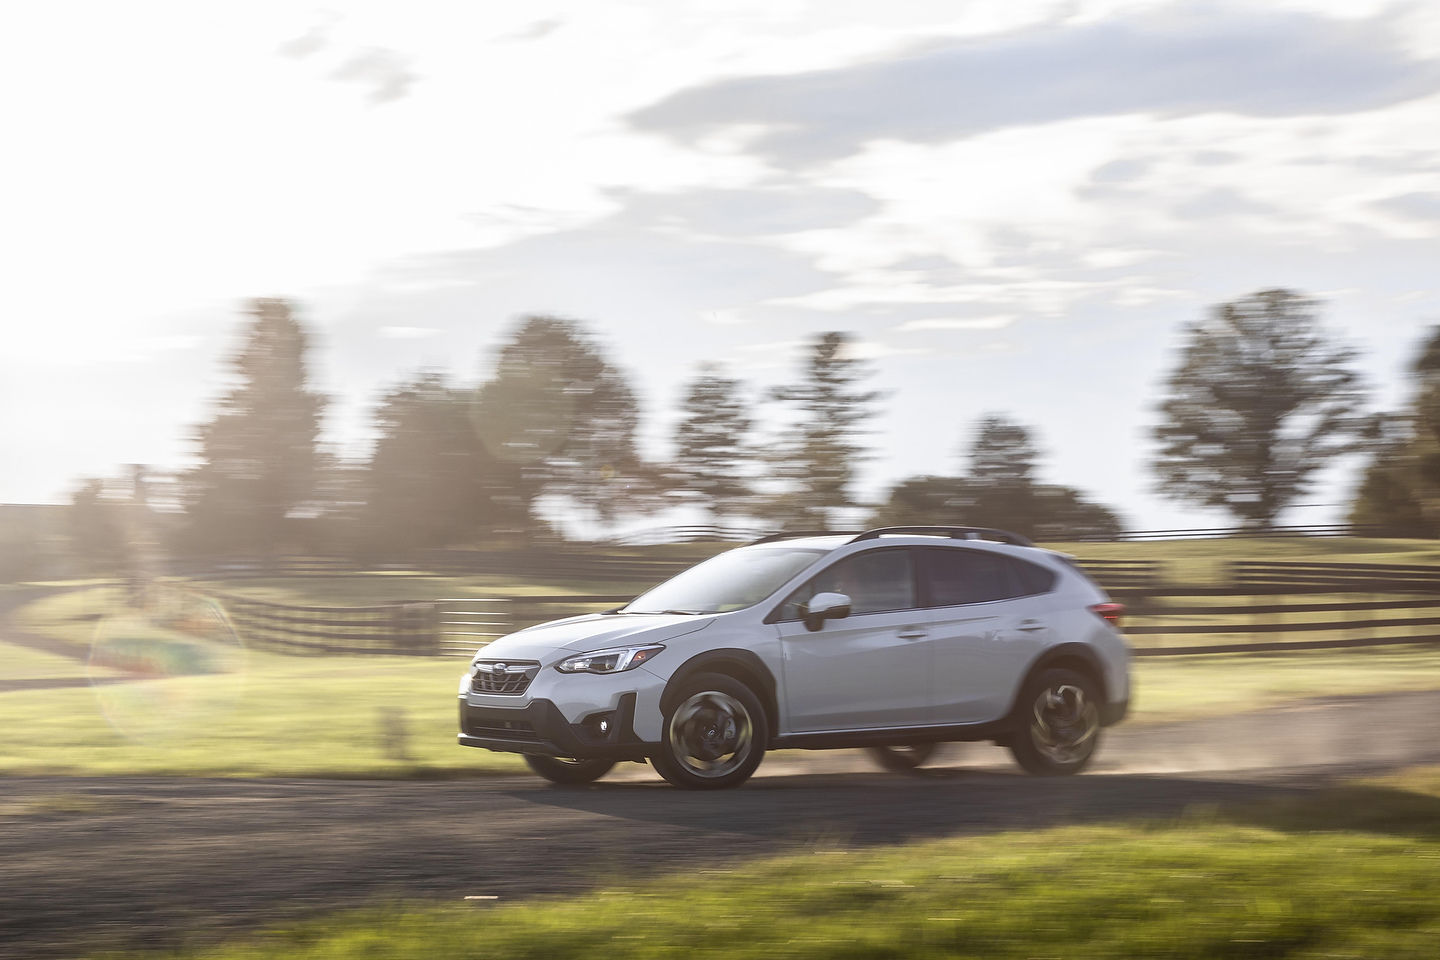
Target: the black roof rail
(955, 533)
(793, 534)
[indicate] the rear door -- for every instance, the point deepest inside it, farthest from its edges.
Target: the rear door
(870, 669)
(987, 622)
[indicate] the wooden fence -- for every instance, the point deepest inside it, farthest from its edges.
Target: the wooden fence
(1263, 607)
(405, 629)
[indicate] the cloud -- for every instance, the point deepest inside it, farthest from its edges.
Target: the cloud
(1221, 202)
(535, 31)
(385, 72)
(407, 333)
(308, 42)
(1120, 171)
(761, 211)
(1176, 61)
(726, 318)
(1215, 158)
(996, 322)
(1413, 206)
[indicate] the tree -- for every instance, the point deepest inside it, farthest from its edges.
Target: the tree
(97, 529)
(564, 417)
(1002, 466)
(712, 454)
(258, 453)
(926, 500)
(430, 481)
(1000, 491)
(1259, 402)
(1400, 493)
(817, 458)
(1002, 453)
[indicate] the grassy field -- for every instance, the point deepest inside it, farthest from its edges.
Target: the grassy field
(395, 716)
(1353, 872)
(269, 715)
(22, 663)
(1204, 561)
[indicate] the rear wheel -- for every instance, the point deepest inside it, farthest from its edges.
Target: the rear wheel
(714, 736)
(907, 756)
(1057, 723)
(562, 770)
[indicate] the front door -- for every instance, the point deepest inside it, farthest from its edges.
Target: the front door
(870, 669)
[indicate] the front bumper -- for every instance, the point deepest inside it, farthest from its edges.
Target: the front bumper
(541, 728)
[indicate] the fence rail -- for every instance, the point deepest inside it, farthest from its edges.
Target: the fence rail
(1388, 604)
(1227, 533)
(403, 629)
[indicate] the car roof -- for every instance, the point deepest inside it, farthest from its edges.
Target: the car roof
(930, 536)
(823, 542)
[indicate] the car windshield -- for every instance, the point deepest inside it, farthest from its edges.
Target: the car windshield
(730, 581)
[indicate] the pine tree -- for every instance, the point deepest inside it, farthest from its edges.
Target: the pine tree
(713, 457)
(1400, 493)
(818, 458)
(258, 453)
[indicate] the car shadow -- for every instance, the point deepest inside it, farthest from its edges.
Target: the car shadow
(887, 808)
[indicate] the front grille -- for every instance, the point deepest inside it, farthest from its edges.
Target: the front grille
(502, 677)
(480, 725)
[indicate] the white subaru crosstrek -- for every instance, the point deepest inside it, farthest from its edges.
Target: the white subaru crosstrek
(896, 639)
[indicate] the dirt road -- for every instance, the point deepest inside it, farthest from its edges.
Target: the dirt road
(105, 863)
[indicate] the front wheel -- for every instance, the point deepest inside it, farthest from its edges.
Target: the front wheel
(714, 736)
(561, 770)
(1057, 723)
(908, 756)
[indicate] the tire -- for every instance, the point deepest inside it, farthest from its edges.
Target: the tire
(714, 736)
(910, 756)
(1057, 723)
(570, 772)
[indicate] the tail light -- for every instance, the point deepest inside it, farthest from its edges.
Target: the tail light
(1109, 612)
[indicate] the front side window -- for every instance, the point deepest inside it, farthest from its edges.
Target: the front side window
(729, 581)
(877, 581)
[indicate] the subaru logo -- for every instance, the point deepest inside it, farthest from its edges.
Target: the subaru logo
(498, 670)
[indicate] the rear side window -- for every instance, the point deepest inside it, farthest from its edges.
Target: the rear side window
(956, 576)
(1032, 577)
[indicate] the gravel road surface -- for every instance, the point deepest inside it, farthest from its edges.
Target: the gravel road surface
(101, 863)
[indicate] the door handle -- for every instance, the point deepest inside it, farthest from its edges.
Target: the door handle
(911, 633)
(1030, 626)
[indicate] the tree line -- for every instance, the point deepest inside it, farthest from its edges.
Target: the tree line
(1260, 401)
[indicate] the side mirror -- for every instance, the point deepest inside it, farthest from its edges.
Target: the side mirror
(825, 606)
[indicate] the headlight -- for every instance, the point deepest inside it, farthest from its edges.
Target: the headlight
(612, 660)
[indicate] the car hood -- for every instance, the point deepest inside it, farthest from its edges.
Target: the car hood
(592, 632)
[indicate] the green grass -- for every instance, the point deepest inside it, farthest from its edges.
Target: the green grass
(1169, 688)
(22, 663)
(395, 716)
(1350, 873)
(271, 716)
(71, 617)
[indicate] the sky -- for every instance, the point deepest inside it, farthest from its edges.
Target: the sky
(1013, 207)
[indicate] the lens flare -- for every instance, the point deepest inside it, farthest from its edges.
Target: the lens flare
(166, 667)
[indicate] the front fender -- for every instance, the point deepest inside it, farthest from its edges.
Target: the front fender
(744, 665)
